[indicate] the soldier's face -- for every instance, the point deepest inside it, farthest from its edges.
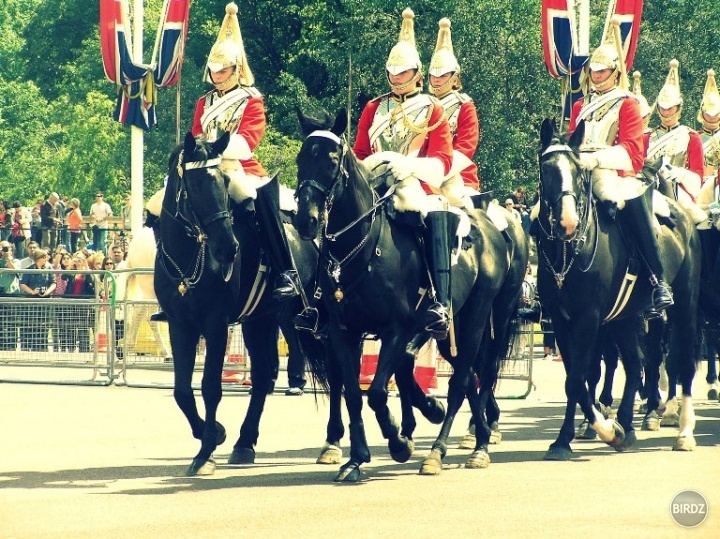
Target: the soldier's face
(402, 78)
(711, 118)
(439, 81)
(666, 113)
(218, 77)
(600, 76)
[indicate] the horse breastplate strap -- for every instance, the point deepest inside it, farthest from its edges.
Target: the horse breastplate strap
(673, 145)
(391, 129)
(602, 117)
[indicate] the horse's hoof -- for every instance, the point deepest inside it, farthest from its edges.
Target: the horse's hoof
(670, 420)
(712, 394)
(468, 441)
(403, 451)
(651, 422)
(558, 453)
(242, 455)
(331, 454)
(495, 434)
(201, 467)
(619, 436)
(685, 443)
(349, 473)
(585, 432)
(628, 444)
(478, 460)
(431, 465)
(437, 414)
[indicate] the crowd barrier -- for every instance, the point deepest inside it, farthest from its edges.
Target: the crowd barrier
(94, 341)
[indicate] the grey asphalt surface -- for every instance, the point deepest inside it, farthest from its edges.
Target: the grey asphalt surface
(82, 462)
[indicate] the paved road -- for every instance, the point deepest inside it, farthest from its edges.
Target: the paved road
(109, 462)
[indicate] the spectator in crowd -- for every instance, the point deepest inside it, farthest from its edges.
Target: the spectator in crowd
(117, 255)
(50, 222)
(63, 330)
(37, 317)
(36, 223)
(5, 220)
(62, 206)
(29, 260)
(82, 316)
(510, 206)
(74, 224)
(100, 213)
(9, 283)
(20, 228)
(126, 211)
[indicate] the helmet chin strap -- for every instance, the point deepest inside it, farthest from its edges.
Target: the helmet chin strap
(231, 82)
(608, 83)
(670, 121)
(395, 88)
(439, 91)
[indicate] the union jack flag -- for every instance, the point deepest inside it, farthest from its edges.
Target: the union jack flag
(137, 82)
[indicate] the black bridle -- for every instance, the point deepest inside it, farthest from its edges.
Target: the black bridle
(185, 216)
(571, 247)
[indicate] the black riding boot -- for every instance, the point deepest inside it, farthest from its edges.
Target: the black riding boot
(274, 240)
(638, 217)
(442, 226)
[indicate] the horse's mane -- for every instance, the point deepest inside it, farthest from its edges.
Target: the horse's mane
(320, 120)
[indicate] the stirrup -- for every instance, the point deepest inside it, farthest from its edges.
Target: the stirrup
(307, 320)
(160, 316)
(662, 296)
(287, 285)
(437, 321)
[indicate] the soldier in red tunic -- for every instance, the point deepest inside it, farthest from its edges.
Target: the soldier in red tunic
(613, 149)
(407, 130)
(235, 105)
(459, 108)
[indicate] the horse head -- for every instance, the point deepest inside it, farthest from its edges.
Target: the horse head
(563, 183)
(322, 175)
(199, 189)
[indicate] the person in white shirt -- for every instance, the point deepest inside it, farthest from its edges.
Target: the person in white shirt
(100, 213)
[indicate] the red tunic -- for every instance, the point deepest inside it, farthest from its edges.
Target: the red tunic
(465, 141)
(630, 132)
(695, 156)
(438, 142)
(251, 127)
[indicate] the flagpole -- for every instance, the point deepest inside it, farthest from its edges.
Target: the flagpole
(136, 133)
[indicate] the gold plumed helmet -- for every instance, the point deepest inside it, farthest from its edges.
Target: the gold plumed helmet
(443, 60)
(670, 95)
(229, 50)
(711, 98)
(610, 55)
(645, 109)
(404, 55)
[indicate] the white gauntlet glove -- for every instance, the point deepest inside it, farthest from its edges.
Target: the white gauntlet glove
(588, 161)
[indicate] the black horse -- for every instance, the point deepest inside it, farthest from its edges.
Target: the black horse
(210, 272)
(583, 269)
(372, 280)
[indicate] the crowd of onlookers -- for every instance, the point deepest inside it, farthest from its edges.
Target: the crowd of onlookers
(59, 220)
(72, 326)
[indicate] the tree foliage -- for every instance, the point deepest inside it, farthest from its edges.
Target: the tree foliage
(56, 130)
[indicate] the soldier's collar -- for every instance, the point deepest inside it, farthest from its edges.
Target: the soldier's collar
(405, 97)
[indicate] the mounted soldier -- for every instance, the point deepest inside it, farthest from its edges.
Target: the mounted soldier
(679, 145)
(407, 131)
(234, 105)
(445, 84)
(613, 151)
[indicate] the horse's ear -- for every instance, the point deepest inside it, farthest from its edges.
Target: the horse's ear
(340, 124)
(578, 136)
(189, 146)
(547, 132)
(306, 126)
(221, 144)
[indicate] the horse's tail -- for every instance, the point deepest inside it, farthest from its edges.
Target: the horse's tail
(316, 358)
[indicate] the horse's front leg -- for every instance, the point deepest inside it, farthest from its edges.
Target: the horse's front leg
(216, 335)
(393, 354)
(347, 348)
(332, 452)
(261, 337)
